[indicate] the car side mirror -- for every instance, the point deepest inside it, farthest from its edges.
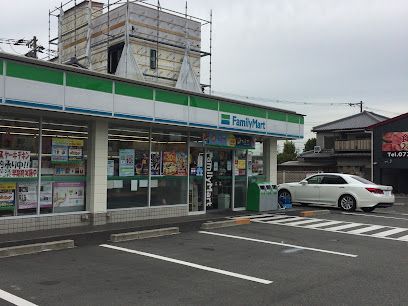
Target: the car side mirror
(303, 183)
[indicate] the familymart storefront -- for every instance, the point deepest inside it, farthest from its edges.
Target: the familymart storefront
(80, 148)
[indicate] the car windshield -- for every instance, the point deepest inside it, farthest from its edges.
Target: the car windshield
(362, 180)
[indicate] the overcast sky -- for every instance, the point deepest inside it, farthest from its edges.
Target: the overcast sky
(319, 51)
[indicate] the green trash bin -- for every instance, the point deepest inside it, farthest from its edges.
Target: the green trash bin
(261, 197)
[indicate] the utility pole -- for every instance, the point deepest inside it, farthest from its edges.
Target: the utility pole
(357, 104)
(32, 44)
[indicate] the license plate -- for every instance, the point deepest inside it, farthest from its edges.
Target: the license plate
(387, 193)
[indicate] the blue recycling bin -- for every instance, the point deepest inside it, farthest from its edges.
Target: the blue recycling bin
(285, 202)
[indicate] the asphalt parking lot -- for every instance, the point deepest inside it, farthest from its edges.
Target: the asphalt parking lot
(255, 264)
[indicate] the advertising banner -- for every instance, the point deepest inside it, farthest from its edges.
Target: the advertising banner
(15, 163)
(126, 162)
(7, 196)
(68, 194)
(66, 149)
(229, 140)
(395, 144)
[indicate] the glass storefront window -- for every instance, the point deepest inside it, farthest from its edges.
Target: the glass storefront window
(63, 166)
(241, 183)
(220, 163)
(256, 162)
(128, 167)
(169, 168)
(18, 166)
(196, 170)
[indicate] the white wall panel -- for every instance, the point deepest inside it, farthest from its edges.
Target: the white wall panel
(88, 99)
(133, 106)
(169, 111)
(277, 127)
(203, 116)
(33, 91)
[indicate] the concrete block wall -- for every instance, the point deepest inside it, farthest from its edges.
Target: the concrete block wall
(146, 213)
(38, 223)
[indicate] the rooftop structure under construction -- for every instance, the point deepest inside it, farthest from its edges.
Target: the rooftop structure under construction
(133, 39)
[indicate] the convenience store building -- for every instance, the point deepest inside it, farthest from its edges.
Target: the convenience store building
(80, 148)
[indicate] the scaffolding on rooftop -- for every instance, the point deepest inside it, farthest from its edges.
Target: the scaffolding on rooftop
(54, 43)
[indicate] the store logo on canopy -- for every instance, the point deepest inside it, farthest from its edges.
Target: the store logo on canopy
(243, 122)
(225, 119)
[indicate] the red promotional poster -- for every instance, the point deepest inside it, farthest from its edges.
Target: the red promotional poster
(395, 142)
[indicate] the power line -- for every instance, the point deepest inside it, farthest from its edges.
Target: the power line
(270, 100)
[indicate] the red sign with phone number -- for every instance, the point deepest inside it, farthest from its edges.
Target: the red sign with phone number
(395, 144)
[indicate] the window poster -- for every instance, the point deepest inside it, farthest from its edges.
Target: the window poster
(74, 169)
(7, 196)
(169, 163)
(142, 162)
(156, 163)
(27, 195)
(15, 163)
(111, 167)
(181, 162)
(126, 162)
(66, 149)
(68, 194)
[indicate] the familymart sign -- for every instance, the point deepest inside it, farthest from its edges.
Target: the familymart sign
(244, 123)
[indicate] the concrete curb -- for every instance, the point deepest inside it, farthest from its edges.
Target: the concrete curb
(314, 213)
(144, 234)
(36, 248)
(226, 223)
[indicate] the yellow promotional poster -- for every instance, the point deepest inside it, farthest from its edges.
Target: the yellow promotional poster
(241, 164)
(7, 196)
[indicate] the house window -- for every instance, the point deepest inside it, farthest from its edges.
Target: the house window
(153, 58)
(114, 54)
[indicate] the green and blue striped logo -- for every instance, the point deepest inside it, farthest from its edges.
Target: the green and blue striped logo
(225, 119)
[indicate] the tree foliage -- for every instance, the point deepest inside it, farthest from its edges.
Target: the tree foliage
(289, 152)
(310, 144)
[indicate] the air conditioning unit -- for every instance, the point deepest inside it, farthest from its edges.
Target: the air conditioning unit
(317, 149)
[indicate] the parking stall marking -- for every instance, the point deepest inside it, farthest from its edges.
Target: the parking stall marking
(367, 229)
(376, 216)
(390, 232)
(279, 244)
(190, 264)
(343, 227)
(13, 299)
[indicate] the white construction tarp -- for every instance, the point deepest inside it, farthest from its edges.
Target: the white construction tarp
(187, 79)
(127, 66)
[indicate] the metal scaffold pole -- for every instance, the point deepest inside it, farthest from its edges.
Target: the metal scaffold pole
(210, 80)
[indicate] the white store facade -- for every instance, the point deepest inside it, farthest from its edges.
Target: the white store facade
(79, 148)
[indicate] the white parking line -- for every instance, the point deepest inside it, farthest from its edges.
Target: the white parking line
(366, 229)
(342, 227)
(323, 224)
(189, 264)
(13, 299)
(390, 232)
(375, 216)
(278, 243)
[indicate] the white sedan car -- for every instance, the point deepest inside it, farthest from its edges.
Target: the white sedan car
(339, 190)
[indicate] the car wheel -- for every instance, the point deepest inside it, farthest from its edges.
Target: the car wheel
(347, 203)
(367, 209)
(285, 194)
